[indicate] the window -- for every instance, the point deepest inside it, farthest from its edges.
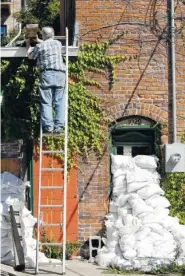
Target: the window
(3, 30)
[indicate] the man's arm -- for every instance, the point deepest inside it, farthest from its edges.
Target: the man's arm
(29, 49)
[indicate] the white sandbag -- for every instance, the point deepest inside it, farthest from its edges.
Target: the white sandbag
(113, 208)
(7, 257)
(121, 162)
(144, 249)
(142, 175)
(118, 223)
(134, 186)
(130, 220)
(127, 229)
(134, 199)
(104, 259)
(169, 221)
(142, 233)
(4, 233)
(182, 247)
(167, 235)
(5, 250)
(136, 264)
(5, 225)
(119, 172)
(12, 184)
(146, 161)
(158, 201)
(25, 212)
(112, 216)
(27, 233)
(5, 196)
(118, 189)
(112, 235)
(122, 199)
(4, 208)
(121, 211)
(178, 231)
(111, 244)
(15, 202)
(119, 181)
(141, 208)
(127, 241)
(158, 216)
(161, 212)
(31, 258)
(149, 191)
(120, 263)
(6, 242)
(30, 242)
(154, 237)
(28, 221)
(10, 179)
(130, 254)
(165, 249)
(156, 227)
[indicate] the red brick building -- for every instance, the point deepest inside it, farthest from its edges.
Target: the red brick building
(142, 90)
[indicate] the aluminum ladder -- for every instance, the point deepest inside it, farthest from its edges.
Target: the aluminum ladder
(64, 187)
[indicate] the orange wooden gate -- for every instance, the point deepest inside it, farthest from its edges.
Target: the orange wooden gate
(51, 215)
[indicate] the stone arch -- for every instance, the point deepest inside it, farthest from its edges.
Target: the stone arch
(153, 112)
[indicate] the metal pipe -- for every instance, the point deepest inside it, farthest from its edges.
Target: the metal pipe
(173, 83)
(19, 33)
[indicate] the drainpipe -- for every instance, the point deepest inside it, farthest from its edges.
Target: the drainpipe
(172, 57)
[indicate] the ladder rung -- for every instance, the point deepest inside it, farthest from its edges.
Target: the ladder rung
(52, 169)
(52, 151)
(51, 206)
(52, 134)
(52, 187)
(59, 37)
(51, 243)
(53, 224)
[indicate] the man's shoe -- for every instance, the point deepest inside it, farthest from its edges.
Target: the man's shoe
(47, 130)
(58, 130)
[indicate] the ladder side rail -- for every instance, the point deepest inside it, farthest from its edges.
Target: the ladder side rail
(65, 158)
(39, 201)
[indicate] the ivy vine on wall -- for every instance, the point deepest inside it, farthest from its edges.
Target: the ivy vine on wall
(20, 108)
(174, 186)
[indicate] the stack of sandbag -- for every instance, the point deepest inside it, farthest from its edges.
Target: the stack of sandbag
(13, 193)
(140, 232)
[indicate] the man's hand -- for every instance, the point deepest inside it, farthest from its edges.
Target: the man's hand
(38, 40)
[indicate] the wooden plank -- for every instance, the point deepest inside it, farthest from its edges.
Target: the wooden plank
(18, 249)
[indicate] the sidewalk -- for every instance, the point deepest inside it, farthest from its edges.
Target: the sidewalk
(73, 268)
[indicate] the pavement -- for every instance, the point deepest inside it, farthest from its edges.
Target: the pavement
(73, 268)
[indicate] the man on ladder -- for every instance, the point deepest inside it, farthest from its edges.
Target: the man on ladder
(53, 87)
(48, 53)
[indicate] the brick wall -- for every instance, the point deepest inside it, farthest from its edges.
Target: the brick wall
(142, 86)
(7, 17)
